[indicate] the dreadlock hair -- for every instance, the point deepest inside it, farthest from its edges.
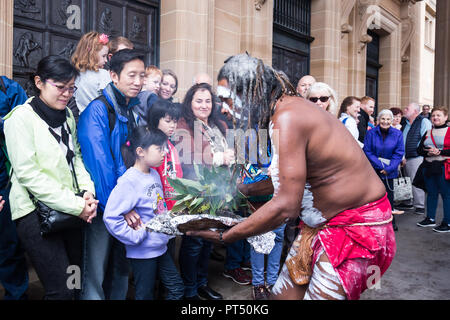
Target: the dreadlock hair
(258, 85)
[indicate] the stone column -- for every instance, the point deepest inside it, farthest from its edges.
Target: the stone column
(185, 40)
(6, 37)
(325, 49)
(257, 29)
(240, 26)
(442, 55)
(411, 51)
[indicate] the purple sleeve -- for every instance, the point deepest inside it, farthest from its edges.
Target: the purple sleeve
(120, 202)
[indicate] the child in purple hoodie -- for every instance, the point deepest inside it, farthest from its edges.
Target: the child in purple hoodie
(140, 188)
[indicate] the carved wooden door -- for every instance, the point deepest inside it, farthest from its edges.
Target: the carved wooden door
(372, 68)
(291, 38)
(44, 27)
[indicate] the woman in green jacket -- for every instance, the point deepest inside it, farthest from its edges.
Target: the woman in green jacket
(42, 146)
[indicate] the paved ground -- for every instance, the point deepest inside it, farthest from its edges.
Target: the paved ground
(420, 270)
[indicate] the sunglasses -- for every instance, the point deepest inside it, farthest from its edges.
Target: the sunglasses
(322, 99)
(63, 89)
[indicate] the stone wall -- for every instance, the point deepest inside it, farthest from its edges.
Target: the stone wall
(197, 36)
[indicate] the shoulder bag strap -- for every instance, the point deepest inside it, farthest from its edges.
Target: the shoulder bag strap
(432, 138)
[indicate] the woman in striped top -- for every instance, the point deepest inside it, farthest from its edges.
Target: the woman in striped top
(435, 148)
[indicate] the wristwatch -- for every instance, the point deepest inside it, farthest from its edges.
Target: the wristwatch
(220, 237)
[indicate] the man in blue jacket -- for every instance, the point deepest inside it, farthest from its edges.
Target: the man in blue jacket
(13, 268)
(102, 129)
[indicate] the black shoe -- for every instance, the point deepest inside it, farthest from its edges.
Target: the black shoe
(402, 206)
(427, 222)
(443, 228)
(207, 293)
(419, 211)
(196, 297)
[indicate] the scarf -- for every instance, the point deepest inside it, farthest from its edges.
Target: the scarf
(54, 118)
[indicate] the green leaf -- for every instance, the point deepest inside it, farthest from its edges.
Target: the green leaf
(188, 197)
(197, 202)
(191, 184)
(177, 185)
(179, 206)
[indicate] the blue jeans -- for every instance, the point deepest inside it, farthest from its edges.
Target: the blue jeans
(237, 252)
(194, 261)
(13, 266)
(273, 261)
(436, 184)
(105, 266)
(145, 272)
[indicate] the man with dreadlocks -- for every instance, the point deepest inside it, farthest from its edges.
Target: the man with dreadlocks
(318, 171)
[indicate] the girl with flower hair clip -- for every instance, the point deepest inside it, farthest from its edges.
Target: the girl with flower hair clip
(89, 59)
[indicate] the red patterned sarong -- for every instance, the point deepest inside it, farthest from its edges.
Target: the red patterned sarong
(358, 242)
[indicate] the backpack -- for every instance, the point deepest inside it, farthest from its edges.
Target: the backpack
(111, 115)
(2, 135)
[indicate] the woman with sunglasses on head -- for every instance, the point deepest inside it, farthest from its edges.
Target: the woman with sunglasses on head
(324, 96)
(89, 59)
(46, 163)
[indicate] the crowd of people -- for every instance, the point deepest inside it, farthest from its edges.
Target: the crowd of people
(97, 142)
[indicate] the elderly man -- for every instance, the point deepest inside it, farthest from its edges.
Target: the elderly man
(320, 173)
(202, 78)
(304, 84)
(415, 126)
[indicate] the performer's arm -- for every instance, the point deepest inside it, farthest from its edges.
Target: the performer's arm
(286, 204)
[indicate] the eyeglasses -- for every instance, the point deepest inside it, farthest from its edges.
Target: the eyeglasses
(322, 99)
(63, 89)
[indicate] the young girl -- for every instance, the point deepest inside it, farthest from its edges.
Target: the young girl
(140, 189)
(89, 58)
(164, 116)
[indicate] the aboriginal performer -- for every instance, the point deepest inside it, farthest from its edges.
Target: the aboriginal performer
(346, 238)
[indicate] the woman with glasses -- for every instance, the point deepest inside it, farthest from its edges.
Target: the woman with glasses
(89, 59)
(46, 164)
(324, 96)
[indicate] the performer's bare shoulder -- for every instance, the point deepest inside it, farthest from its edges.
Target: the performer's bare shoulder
(337, 169)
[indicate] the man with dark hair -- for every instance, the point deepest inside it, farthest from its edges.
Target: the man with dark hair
(102, 129)
(426, 111)
(366, 111)
(13, 267)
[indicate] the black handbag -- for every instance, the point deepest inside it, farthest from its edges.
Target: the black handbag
(52, 221)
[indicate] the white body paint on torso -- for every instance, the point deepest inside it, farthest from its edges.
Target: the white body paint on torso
(310, 215)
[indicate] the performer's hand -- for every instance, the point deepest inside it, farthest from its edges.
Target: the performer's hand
(209, 235)
(384, 172)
